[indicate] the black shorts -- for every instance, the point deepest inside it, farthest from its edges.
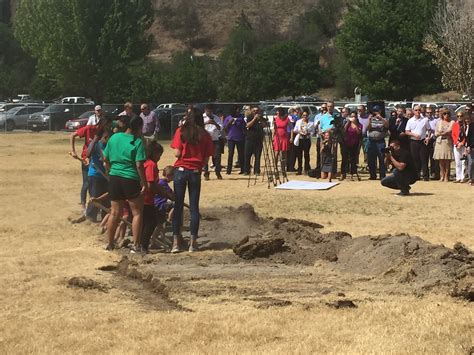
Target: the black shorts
(123, 189)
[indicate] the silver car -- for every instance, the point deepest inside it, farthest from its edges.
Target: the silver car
(17, 117)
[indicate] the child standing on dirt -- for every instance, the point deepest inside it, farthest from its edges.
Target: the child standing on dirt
(154, 150)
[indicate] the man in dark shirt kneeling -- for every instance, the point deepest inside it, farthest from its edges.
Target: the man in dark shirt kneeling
(404, 173)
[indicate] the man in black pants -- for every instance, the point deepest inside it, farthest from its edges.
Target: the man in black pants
(417, 129)
(404, 173)
(254, 140)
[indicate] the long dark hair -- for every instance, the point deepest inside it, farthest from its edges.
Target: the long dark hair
(193, 127)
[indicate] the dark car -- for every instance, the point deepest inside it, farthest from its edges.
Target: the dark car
(168, 123)
(17, 117)
(55, 116)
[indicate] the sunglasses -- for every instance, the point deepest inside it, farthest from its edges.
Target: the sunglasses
(416, 110)
(460, 116)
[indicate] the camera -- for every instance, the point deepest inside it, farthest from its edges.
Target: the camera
(337, 122)
(386, 150)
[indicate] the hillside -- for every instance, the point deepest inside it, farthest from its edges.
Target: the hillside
(204, 25)
(212, 21)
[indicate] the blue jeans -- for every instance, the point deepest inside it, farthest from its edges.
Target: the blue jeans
(85, 183)
(192, 180)
(470, 165)
(374, 152)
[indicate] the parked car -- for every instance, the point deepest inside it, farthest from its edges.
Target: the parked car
(17, 117)
(170, 106)
(4, 107)
(76, 123)
(312, 109)
(55, 117)
(165, 115)
(75, 100)
(21, 98)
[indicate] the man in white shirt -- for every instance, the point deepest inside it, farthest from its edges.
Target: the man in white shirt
(95, 118)
(363, 118)
(213, 125)
(417, 130)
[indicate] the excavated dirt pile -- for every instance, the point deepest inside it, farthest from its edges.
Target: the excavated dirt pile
(402, 259)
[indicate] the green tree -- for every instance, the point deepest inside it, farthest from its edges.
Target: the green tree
(237, 59)
(85, 45)
(190, 78)
(16, 67)
(382, 41)
(285, 69)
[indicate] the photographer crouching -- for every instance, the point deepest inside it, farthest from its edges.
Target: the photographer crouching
(404, 172)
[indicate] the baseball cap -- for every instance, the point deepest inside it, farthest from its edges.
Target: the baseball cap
(377, 109)
(98, 108)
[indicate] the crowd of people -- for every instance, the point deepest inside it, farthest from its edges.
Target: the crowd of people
(120, 172)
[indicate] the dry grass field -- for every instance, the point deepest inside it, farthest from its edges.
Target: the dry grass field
(40, 251)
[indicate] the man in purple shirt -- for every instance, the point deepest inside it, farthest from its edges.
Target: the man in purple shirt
(151, 124)
(235, 126)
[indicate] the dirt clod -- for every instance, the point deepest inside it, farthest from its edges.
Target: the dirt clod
(86, 284)
(273, 303)
(258, 248)
(107, 268)
(342, 304)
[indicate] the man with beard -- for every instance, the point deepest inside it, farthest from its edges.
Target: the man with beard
(404, 173)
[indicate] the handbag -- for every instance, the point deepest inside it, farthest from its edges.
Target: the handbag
(296, 141)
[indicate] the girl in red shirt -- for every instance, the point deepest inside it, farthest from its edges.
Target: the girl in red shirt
(192, 147)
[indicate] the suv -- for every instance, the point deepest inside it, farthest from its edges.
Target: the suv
(55, 116)
(17, 117)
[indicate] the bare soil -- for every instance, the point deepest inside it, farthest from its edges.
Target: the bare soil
(279, 249)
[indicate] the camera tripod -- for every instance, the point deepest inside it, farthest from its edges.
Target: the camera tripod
(272, 163)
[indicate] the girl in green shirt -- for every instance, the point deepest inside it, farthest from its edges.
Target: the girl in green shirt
(124, 157)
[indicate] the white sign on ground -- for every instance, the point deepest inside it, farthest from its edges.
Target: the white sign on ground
(306, 185)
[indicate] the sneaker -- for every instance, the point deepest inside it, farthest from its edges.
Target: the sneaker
(193, 245)
(403, 193)
(175, 249)
(219, 176)
(206, 177)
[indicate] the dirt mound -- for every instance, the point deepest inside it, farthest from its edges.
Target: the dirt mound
(403, 259)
